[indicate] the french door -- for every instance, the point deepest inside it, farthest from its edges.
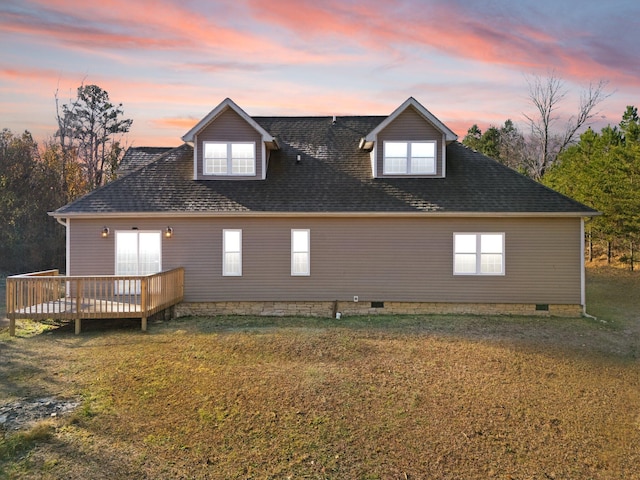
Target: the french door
(137, 253)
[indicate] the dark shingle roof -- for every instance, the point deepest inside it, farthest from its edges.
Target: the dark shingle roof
(136, 157)
(333, 176)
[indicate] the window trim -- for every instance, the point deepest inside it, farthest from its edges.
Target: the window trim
(478, 254)
(307, 251)
(407, 159)
(229, 172)
(225, 272)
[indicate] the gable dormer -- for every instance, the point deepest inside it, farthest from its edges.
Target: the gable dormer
(229, 145)
(411, 142)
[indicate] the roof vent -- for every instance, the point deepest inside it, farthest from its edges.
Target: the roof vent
(298, 159)
(334, 120)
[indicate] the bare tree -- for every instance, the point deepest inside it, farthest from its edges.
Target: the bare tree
(546, 95)
(64, 134)
(91, 127)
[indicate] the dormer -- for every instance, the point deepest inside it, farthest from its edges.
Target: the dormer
(229, 145)
(411, 142)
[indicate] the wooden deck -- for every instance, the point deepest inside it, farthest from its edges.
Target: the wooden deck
(48, 295)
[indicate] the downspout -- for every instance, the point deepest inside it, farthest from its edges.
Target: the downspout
(65, 223)
(583, 283)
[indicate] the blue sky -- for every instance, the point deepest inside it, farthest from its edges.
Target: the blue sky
(170, 62)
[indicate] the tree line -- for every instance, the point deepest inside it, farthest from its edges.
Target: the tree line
(83, 154)
(601, 170)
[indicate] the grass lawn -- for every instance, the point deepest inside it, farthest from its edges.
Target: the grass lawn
(408, 397)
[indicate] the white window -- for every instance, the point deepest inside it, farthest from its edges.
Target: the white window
(223, 158)
(409, 158)
(478, 253)
(300, 252)
(232, 253)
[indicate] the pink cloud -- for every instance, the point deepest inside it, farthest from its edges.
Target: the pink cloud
(445, 28)
(122, 24)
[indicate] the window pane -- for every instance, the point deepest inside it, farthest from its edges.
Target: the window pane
(395, 165)
(215, 150)
(126, 253)
(243, 166)
(242, 150)
(395, 157)
(465, 263)
(420, 165)
(149, 256)
(232, 265)
(395, 149)
(426, 149)
(491, 263)
(491, 243)
(465, 243)
(300, 263)
(232, 240)
(300, 240)
(215, 166)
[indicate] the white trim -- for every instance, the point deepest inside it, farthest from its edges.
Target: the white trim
(478, 253)
(264, 161)
(374, 161)
(224, 252)
(409, 156)
(68, 247)
(195, 160)
(229, 146)
(307, 251)
(443, 159)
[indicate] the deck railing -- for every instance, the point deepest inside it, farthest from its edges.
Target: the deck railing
(44, 295)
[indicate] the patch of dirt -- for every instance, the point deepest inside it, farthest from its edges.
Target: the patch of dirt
(21, 413)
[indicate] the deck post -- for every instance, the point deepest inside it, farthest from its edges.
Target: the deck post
(144, 284)
(10, 303)
(79, 287)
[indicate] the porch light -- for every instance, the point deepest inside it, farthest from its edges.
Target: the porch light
(168, 233)
(105, 232)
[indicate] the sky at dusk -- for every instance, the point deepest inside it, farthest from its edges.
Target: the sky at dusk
(169, 62)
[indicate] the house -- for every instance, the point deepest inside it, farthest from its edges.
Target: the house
(319, 215)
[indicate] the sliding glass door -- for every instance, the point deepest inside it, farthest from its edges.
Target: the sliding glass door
(137, 253)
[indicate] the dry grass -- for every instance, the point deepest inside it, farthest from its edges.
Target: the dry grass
(388, 398)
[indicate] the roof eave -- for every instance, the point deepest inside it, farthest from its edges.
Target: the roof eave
(422, 214)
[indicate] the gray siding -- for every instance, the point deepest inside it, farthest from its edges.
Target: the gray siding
(409, 126)
(378, 259)
(228, 127)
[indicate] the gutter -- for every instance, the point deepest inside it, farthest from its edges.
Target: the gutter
(370, 214)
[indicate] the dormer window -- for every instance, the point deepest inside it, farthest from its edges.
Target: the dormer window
(410, 158)
(226, 158)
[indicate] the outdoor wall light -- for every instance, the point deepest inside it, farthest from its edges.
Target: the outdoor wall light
(105, 232)
(168, 233)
